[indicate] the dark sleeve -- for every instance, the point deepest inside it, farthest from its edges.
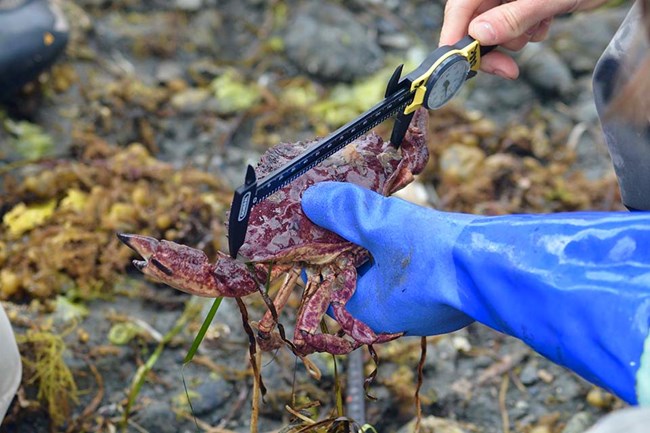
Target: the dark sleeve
(629, 145)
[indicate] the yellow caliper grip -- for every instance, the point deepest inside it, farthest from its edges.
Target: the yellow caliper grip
(471, 52)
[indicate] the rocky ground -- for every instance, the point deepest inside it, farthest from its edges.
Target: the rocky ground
(205, 87)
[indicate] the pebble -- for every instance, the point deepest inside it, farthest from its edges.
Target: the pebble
(325, 40)
(188, 5)
(545, 376)
(414, 192)
(541, 429)
(168, 71)
(191, 100)
(157, 416)
(599, 398)
(433, 424)
(520, 409)
(578, 423)
(569, 389)
(528, 374)
(461, 343)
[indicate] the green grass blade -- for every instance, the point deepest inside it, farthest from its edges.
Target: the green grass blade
(204, 328)
(191, 309)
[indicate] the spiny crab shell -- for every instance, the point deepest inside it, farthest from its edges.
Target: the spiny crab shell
(280, 234)
(278, 229)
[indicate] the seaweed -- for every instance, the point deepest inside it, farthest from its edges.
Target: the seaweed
(46, 367)
(59, 218)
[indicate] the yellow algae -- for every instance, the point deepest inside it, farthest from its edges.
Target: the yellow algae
(233, 94)
(75, 200)
(9, 283)
(23, 218)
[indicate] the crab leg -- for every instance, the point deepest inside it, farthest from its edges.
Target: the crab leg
(189, 269)
(316, 300)
(268, 322)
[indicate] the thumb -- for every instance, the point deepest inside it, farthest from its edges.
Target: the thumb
(511, 20)
(344, 208)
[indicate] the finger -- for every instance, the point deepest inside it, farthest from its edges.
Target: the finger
(511, 20)
(516, 44)
(501, 64)
(542, 30)
(458, 14)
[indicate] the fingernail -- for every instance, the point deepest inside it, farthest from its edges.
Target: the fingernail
(484, 32)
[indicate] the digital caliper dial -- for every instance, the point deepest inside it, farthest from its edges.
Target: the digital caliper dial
(446, 81)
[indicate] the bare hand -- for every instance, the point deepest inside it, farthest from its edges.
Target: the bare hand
(509, 24)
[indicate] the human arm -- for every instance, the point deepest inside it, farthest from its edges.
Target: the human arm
(575, 286)
(510, 25)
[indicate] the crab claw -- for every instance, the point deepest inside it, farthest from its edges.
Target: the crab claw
(188, 269)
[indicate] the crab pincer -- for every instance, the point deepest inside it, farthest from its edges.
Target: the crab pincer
(189, 270)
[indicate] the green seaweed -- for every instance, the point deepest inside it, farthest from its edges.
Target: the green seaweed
(28, 139)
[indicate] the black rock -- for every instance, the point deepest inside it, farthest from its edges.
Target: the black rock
(325, 40)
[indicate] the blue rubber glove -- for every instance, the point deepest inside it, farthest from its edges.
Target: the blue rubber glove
(573, 286)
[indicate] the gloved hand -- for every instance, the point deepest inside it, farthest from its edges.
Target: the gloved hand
(573, 286)
(410, 285)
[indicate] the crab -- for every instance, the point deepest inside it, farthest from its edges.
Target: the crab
(282, 241)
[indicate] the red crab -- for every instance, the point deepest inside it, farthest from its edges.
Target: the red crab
(280, 237)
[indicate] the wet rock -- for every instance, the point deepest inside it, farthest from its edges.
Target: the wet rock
(190, 100)
(138, 34)
(581, 38)
(395, 40)
(168, 71)
(206, 33)
(188, 5)
(545, 70)
(212, 394)
(500, 99)
(157, 416)
(425, 16)
(528, 374)
(578, 423)
(520, 410)
(325, 40)
(568, 389)
(483, 361)
(428, 15)
(432, 424)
